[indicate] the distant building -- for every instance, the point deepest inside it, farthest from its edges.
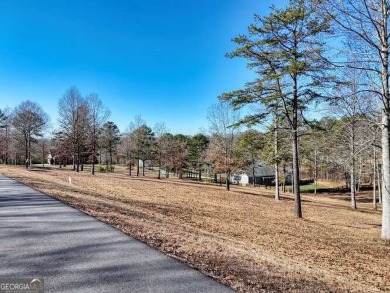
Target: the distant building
(54, 157)
(264, 175)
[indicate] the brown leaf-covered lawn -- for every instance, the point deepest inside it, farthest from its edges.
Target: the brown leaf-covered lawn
(243, 238)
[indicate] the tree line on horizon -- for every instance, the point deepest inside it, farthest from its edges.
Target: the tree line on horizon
(312, 52)
(85, 136)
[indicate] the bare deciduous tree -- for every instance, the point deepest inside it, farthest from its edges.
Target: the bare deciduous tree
(354, 105)
(98, 114)
(365, 23)
(5, 134)
(177, 153)
(29, 121)
(73, 121)
(222, 119)
(42, 147)
(133, 141)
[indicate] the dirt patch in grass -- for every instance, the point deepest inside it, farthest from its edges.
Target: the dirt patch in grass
(242, 238)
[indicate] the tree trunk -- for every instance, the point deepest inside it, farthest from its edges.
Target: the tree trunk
(315, 171)
(93, 159)
(26, 142)
(253, 171)
(378, 176)
(359, 183)
(6, 144)
(297, 193)
(159, 170)
(385, 174)
(352, 170)
(276, 153)
(228, 181)
(78, 160)
(43, 154)
(292, 181)
(29, 152)
(353, 185)
(143, 167)
(374, 183)
(200, 175)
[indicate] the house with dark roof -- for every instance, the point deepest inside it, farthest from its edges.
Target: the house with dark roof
(263, 175)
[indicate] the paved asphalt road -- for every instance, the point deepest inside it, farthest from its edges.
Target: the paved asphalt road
(73, 252)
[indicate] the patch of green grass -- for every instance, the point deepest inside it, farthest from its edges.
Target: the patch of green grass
(309, 187)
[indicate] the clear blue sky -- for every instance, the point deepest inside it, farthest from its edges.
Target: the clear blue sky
(163, 59)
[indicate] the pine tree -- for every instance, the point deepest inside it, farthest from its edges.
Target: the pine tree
(285, 49)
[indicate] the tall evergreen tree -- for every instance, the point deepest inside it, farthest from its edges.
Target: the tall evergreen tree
(109, 139)
(285, 49)
(251, 143)
(197, 146)
(143, 142)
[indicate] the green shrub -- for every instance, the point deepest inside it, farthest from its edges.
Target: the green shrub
(101, 169)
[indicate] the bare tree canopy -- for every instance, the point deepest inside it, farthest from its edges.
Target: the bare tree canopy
(29, 120)
(223, 127)
(98, 114)
(73, 112)
(365, 25)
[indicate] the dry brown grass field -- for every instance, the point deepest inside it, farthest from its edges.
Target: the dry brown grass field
(243, 238)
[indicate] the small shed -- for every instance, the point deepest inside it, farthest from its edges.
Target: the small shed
(241, 179)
